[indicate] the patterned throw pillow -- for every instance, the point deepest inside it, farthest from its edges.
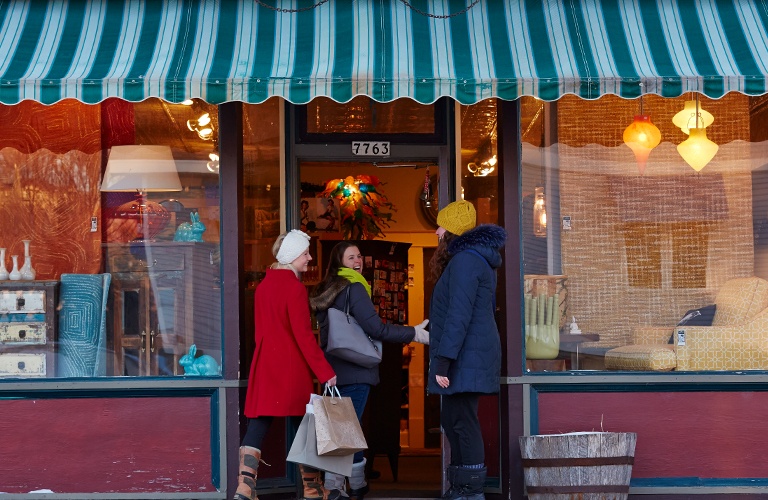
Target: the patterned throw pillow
(697, 317)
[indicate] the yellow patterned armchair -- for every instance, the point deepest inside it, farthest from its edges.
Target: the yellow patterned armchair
(737, 339)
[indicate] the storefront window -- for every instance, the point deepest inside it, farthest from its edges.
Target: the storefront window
(261, 200)
(363, 115)
(643, 265)
(117, 207)
(261, 184)
(479, 159)
(479, 171)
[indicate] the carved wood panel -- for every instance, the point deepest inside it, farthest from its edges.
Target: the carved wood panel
(50, 174)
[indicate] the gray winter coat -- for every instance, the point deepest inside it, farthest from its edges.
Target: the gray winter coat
(361, 308)
(461, 314)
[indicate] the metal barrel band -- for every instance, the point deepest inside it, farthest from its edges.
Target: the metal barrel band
(577, 462)
(584, 488)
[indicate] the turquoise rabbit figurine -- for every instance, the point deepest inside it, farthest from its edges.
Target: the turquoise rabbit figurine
(190, 231)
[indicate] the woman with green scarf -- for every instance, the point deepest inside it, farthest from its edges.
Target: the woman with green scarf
(355, 381)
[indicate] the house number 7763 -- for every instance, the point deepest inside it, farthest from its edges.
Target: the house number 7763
(370, 148)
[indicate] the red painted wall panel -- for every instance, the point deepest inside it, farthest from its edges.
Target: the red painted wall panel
(106, 445)
(683, 434)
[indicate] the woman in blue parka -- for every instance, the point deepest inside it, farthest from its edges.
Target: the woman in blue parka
(464, 344)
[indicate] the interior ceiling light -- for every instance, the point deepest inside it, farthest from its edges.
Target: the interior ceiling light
(539, 213)
(690, 114)
(484, 168)
(697, 150)
(213, 163)
(202, 126)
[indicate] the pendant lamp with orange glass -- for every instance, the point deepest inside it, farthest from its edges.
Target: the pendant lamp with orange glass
(697, 150)
(642, 136)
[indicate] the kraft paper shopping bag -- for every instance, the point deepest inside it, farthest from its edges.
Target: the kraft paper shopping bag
(338, 429)
(304, 450)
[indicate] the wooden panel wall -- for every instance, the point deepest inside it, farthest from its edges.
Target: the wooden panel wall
(106, 445)
(679, 434)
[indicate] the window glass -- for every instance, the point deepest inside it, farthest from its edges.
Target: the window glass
(619, 251)
(363, 115)
(161, 239)
(261, 203)
(479, 172)
(117, 207)
(478, 164)
(261, 185)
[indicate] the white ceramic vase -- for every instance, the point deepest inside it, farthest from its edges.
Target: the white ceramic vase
(3, 269)
(15, 274)
(27, 272)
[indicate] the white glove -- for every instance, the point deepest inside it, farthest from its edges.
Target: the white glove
(422, 335)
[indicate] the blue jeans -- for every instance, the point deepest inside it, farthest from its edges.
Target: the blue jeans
(358, 393)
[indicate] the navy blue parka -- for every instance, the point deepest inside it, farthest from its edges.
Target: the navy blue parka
(462, 321)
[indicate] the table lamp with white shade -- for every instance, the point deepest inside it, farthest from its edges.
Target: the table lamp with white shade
(140, 169)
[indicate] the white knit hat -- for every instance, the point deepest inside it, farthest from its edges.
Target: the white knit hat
(294, 244)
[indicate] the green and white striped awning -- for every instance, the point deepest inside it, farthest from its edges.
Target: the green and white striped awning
(250, 50)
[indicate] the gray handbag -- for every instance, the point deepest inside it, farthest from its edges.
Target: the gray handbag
(348, 341)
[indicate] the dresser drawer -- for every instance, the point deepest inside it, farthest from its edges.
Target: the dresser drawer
(22, 365)
(22, 333)
(151, 262)
(22, 301)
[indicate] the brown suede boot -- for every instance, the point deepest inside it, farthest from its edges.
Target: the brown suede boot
(246, 479)
(313, 485)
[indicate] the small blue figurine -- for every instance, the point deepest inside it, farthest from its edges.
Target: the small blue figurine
(190, 232)
(204, 366)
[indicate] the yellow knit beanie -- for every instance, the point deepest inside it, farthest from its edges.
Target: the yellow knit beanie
(457, 217)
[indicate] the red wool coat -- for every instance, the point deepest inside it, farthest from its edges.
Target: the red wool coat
(287, 353)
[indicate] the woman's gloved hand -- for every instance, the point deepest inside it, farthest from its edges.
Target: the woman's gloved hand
(422, 335)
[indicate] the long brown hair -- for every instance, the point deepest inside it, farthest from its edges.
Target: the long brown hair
(334, 264)
(441, 256)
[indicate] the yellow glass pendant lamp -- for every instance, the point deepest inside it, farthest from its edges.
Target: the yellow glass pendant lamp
(697, 150)
(642, 136)
(687, 117)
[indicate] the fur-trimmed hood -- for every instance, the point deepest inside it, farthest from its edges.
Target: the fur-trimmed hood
(325, 299)
(486, 239)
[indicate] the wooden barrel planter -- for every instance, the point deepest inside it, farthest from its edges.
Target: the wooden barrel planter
(578, 465)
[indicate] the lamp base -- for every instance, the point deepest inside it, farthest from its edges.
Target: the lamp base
(138, 219)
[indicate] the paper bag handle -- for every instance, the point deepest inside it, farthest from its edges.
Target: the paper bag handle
(329, 391)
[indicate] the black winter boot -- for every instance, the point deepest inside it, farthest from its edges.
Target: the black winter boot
(450, 473)
(468, 483)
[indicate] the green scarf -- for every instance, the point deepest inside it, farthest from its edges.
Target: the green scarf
(354, 277)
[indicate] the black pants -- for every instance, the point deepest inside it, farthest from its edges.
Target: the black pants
(458, 416)
(258, 427)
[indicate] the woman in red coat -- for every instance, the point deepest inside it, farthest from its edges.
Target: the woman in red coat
(285, 359)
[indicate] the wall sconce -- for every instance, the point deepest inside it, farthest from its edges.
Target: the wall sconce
(697, 150)
(539, 213)
(484, 168)
(690, 114)
(642, 136)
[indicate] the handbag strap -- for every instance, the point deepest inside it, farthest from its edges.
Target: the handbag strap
(346, 300)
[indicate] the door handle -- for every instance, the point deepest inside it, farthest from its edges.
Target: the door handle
(152, 341)
(143, 336)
